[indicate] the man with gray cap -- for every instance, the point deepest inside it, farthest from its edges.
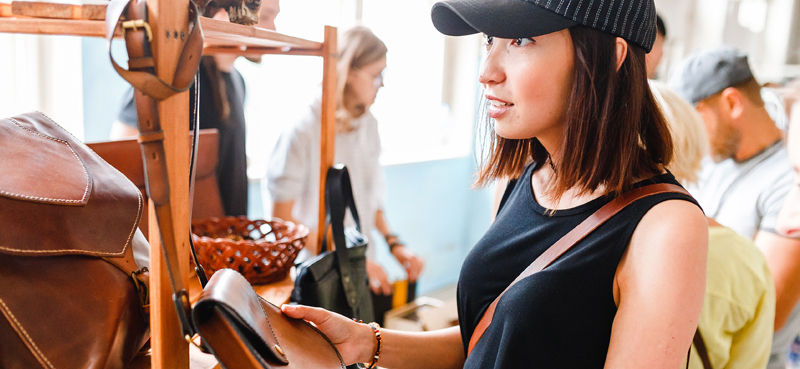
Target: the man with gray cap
(744, 185)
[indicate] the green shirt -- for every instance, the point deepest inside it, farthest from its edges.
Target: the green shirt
(739, 305)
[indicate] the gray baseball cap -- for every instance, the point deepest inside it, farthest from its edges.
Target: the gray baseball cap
(706, 72)
(633, 20)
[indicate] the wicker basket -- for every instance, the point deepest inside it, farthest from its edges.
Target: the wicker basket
(263, 251)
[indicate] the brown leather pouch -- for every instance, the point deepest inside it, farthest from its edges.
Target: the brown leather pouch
(245, 331)
(71, 294)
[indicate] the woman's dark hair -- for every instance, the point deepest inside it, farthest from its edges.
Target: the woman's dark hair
(615, 133)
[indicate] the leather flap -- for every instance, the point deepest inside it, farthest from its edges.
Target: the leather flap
(229, 293)
(41, 159)
(40, 168)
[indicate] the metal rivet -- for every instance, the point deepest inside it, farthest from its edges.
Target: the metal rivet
(175, 34)
(167, 33)
(280, 350)
(183, 35)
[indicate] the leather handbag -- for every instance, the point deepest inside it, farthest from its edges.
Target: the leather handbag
(573, 237)
(71, 295)
(337, 279)
(241, 329)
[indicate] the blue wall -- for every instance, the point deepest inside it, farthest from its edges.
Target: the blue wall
(102, 87)
(432, 207)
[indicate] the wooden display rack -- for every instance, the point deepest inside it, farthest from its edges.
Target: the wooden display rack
(169, 350)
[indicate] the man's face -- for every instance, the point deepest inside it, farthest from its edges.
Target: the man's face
(723, 138)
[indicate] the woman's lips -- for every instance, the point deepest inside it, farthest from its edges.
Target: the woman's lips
(498, 107)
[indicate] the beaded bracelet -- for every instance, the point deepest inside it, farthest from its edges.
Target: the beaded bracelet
(376, 328)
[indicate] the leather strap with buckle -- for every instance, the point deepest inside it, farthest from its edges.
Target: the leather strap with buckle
(149, 89)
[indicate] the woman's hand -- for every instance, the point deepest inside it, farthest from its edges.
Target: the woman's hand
(354, 341)
(378, 281)
(409, 260)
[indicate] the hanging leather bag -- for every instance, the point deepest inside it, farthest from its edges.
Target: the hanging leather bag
(337, 279)
(71, 295)
(241, 329)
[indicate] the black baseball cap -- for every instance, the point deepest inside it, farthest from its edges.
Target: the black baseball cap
(633, 20)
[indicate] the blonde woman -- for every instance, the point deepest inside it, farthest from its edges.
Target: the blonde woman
(738, 313)
(294, 165)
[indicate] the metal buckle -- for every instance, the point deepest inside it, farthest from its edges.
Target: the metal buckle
(193, 341)
(135, 24)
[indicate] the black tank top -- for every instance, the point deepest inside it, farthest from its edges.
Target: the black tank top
(560, 317)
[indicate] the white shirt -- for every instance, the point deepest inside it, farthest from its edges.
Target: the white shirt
(293, 170)
(746, 196)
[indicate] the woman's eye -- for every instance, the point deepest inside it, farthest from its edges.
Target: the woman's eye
(523, 41)
(488, 42)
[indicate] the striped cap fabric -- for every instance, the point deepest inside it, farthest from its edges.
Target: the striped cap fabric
(633, 20)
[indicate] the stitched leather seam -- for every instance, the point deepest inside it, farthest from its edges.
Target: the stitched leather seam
(266, 317)
(13, 251)
(82, 252)
(26, 338)
(83, 166)
(88, 178)
(138, 215)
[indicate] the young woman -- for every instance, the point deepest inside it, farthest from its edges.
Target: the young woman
(294, 165)
(574, 122)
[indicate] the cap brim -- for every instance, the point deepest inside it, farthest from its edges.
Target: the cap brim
(498, 18)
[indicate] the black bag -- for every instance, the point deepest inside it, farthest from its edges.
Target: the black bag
(337, 280)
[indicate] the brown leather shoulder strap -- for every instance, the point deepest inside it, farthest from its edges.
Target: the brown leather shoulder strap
(702, 351)
(571, 238)
(138, 37)
(148, 90)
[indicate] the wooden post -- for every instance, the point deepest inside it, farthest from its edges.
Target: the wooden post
(169, 18)
(328, 136)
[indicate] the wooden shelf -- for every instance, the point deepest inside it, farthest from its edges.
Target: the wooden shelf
(5, 10)
(96, 11)
(220, 36)
(45, 26)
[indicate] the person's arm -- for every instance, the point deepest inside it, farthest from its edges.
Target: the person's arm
(783, 258)
(408, 259)
(659, 288)
(399, 350)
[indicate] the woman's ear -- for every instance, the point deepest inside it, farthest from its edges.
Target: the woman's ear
(622, 51)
